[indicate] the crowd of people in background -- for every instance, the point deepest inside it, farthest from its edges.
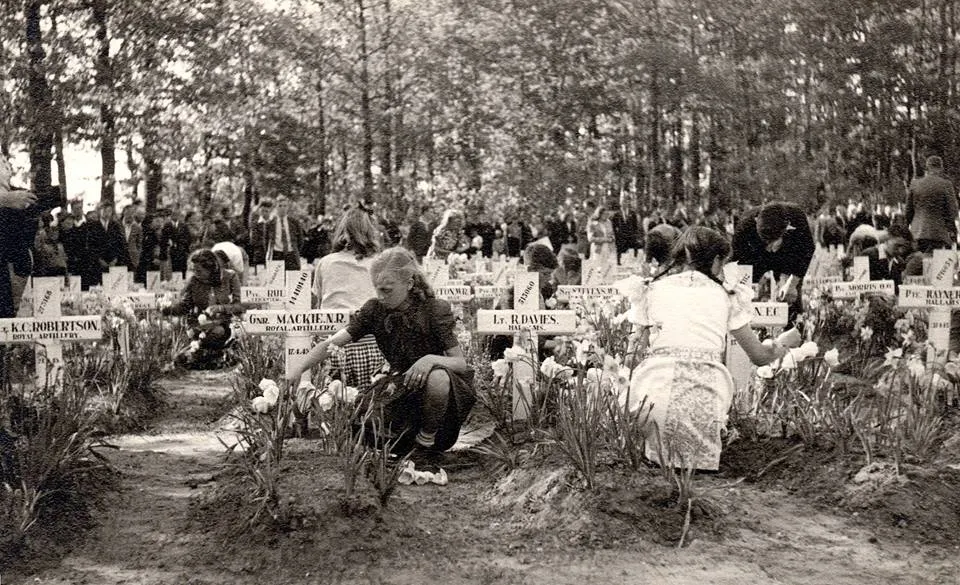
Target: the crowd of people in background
(87, 243)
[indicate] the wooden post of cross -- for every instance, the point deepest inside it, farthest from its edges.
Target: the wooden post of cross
(941, 298)
(116, 281)
(765, 314)
(296, 321)
(437, 272)
(49, 329)
(525, 322)
(153, 280)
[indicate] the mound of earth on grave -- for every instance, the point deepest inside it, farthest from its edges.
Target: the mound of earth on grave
(906, 502)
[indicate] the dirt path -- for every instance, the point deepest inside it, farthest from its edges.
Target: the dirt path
(443, 535)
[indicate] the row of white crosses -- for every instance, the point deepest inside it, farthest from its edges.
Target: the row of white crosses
(48, 329)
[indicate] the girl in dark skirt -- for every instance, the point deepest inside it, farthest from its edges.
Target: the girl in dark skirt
(429, 390)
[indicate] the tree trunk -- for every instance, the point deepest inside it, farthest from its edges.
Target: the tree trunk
(154, 178)
(104, 78)
(386, 116)
(323, 176)
(134, 172)
(365, 103)
(61, 166)
(653, 146)
(695, 162)
(40, 118)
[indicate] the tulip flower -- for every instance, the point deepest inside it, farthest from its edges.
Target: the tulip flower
(260, 405)
(832, 358)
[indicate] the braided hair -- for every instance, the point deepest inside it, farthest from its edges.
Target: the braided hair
(698, 246)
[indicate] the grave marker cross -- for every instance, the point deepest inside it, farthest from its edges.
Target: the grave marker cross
(525, 322)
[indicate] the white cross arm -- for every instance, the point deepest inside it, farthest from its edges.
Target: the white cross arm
(73, 328)
(850, 290)
(912, 296)
(770, 315)
(261, 294)
(577, 293)
(453, 294)
(539, 322)
(264, 322)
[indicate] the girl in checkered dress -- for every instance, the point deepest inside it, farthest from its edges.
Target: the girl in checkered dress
(342, 281)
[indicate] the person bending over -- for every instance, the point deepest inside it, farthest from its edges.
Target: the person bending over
(209, 300)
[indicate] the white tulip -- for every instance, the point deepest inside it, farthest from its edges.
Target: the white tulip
(832, 357)
(260, 405)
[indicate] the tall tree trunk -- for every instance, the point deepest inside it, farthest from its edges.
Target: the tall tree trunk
(653, 146)
(695, 162)
(154, 171)
(676, 160)
(134, 169)
(365, 102)
(108, 125)
(716, 194)
(387, 113)
(323, 175)
(40, 115)
(61, 165)
(639, 160)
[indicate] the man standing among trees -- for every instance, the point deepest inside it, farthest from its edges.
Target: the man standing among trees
(177, 233)
(776, 237)
(932, 208)
(105, 243)
(258, 233)
(284, 236)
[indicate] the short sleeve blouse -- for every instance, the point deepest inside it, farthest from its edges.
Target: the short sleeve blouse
(423, 328)
(687, 310)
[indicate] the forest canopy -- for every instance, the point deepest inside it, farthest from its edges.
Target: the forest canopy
(505, 105)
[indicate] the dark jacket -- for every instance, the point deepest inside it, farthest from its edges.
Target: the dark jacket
(932, 209)
(794, 255)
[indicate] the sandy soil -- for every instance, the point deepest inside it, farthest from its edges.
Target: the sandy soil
(171, 525)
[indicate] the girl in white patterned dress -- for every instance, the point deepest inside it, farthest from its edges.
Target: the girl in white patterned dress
(681, 319)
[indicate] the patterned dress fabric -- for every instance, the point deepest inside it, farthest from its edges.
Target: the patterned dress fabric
(682, 379)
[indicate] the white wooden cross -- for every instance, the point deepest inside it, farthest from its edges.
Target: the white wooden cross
(296, 321)
(941, 297)
(455, 294)
(525, 322)
(579, 294)
(49, 329)
(765, 314)
(270, 289)
(596, 272)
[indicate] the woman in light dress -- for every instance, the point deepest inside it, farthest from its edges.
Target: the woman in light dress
(681, 320)
(342, 282)
(601, 236)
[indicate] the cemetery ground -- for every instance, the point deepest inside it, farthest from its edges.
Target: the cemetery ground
(775, 513)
